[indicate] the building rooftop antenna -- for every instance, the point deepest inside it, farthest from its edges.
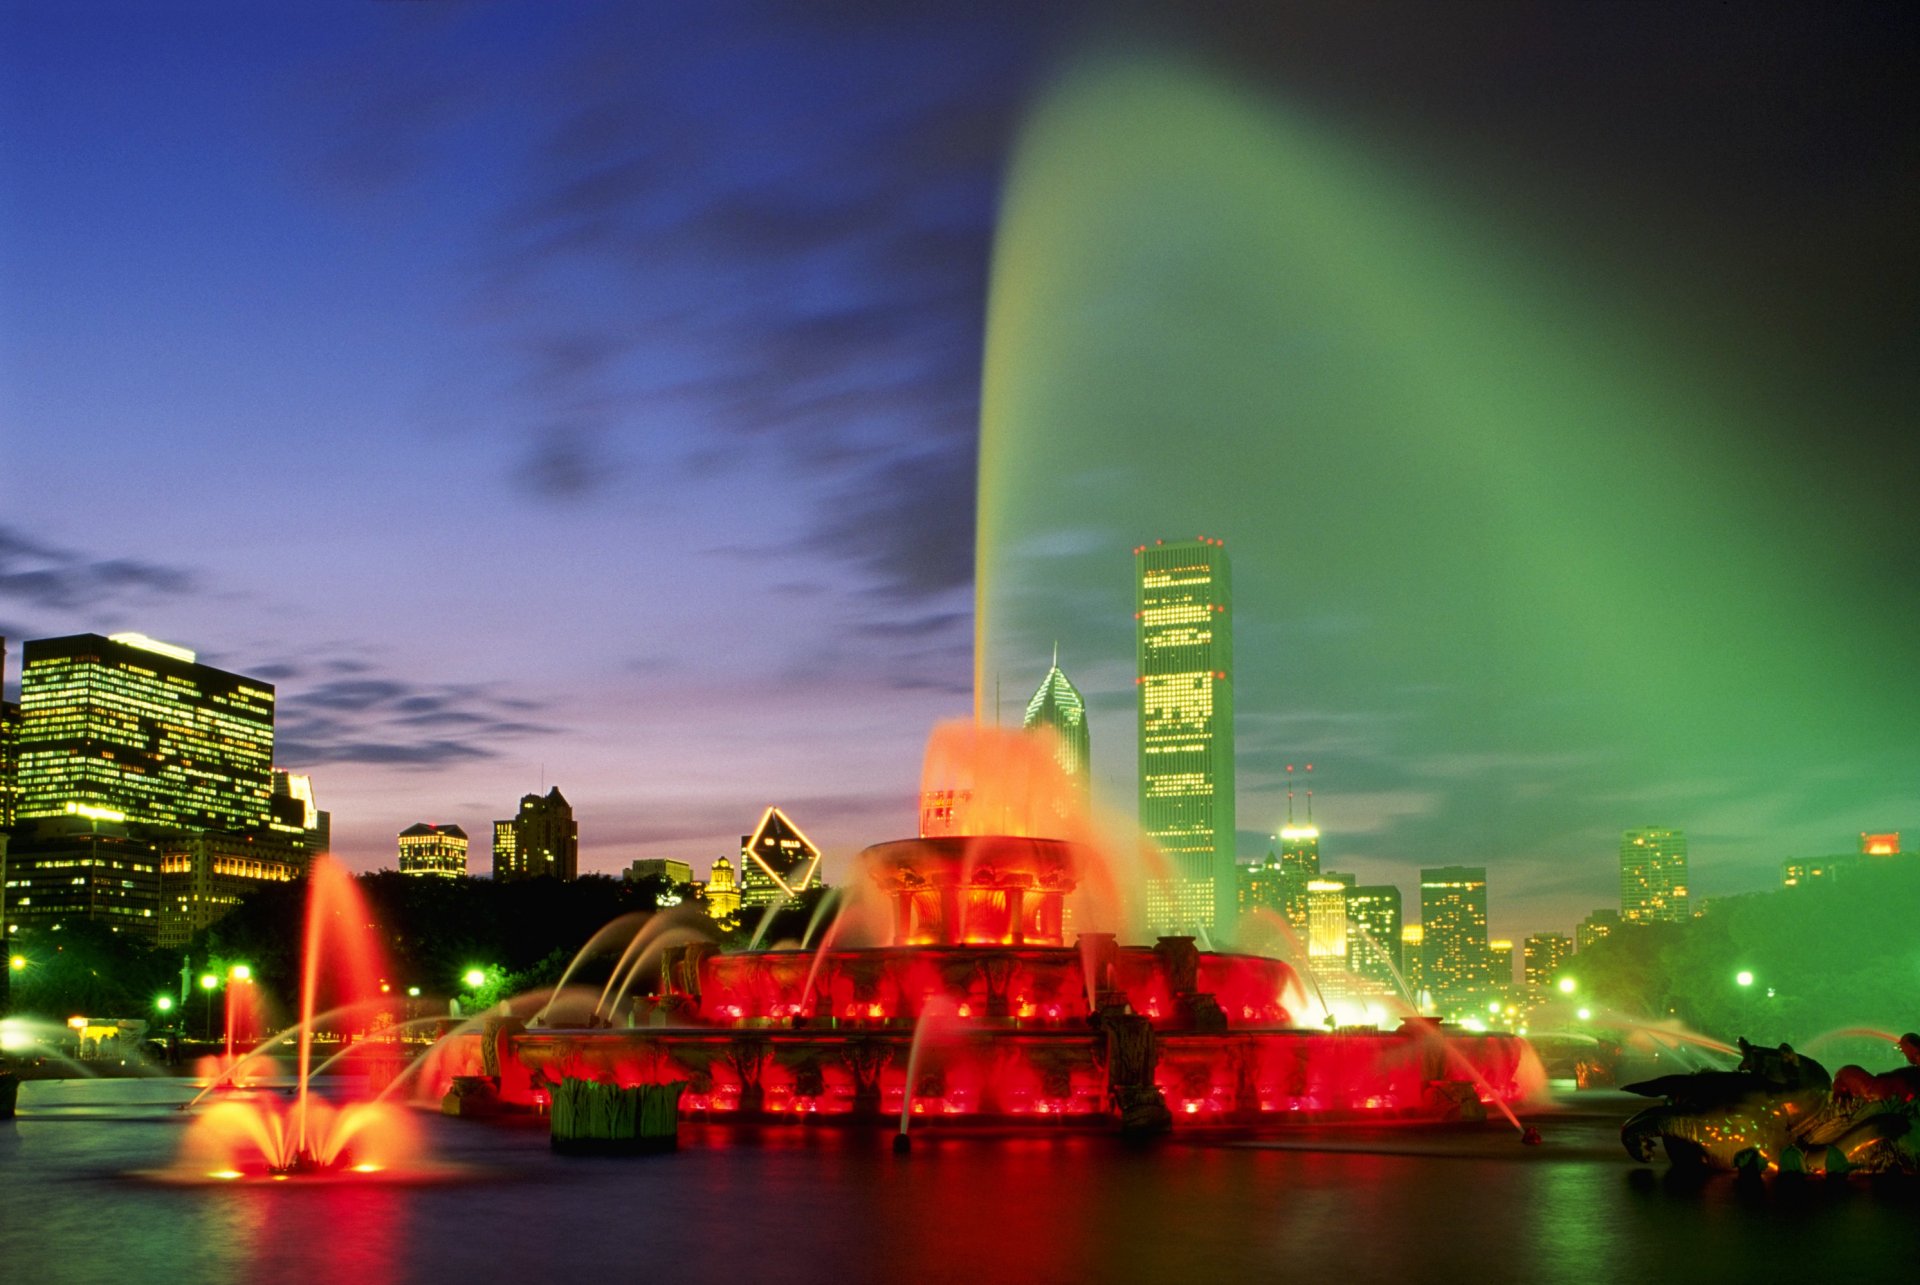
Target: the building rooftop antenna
(1309, 794)
(1289, 794)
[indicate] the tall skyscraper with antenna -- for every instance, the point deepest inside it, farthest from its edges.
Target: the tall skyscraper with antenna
(1183, 598)
(1299, 856)
(1057, 704)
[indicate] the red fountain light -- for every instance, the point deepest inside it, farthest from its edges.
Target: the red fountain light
(265, 1137)
(992, 983)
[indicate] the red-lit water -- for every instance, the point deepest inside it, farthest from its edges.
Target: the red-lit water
(263, 1134)
(976, 972)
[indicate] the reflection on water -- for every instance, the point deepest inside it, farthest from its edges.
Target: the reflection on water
(796, 1203)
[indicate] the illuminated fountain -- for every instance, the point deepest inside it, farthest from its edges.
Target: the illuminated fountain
(265, 1135)
(998, 943)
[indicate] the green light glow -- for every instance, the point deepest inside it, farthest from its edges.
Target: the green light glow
(17, 963)
(1743, 978)
(164, 1003)
(474, 978)
(1462, 469)
(1568, 985)
(240, 973)
(208, 981)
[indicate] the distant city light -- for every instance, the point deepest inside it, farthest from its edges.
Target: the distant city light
(413, 992)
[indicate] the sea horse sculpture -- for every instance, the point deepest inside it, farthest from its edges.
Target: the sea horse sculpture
(1780, 1110)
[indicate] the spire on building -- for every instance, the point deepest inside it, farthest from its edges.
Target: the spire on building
(1058, 705)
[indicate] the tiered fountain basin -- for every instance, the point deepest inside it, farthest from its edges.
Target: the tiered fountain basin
(1001, 1019)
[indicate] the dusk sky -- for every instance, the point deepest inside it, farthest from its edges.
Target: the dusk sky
(590, 394)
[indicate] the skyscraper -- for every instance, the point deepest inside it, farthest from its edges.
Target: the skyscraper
(1263, 885)
(1183, 606)
(777, 861)
(1373, 935)
(127, 744)
(723, 892)
(9, 753)
(1453, 922)
(1057, 704)
(1597, 926)
(541, 840)
(140, 729)
(1547, 954)
(433, 850)
(206, 873)
(1327, 923)
(1299, 866)
(1653, 876)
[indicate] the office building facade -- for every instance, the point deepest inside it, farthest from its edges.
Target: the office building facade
(1058, 706)
(777, 861)
(1374, 924)
(1184, 612)
(540, 841)
(1653, 876)
(139, 729)
(438, 850)
(1546, 955)
(1453, 920)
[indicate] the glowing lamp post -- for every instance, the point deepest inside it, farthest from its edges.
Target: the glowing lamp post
(18, 963)
(474, 978)
(209, 983)
(1743, 978)
(1568, 986)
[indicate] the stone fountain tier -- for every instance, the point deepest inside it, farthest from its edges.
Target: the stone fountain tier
(1173, 984)
(1112, 1073)
(981, 992)
(984, 890)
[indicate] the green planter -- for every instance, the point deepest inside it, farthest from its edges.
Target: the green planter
(594, 1119)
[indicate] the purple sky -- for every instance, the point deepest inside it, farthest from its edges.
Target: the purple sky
(587, 394)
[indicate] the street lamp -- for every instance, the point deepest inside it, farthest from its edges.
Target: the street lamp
(1743, 978)
(208, 984)
(475, 978)
(240, 973)
(17, 963)
(1568, 986)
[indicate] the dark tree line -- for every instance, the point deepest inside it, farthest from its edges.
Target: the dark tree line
(1823, 956)
(432, 931)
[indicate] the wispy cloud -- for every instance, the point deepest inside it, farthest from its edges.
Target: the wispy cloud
(806, 285)
(397, 722)
(37, 576)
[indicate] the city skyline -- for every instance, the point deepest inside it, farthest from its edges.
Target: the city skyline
(431, 301)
